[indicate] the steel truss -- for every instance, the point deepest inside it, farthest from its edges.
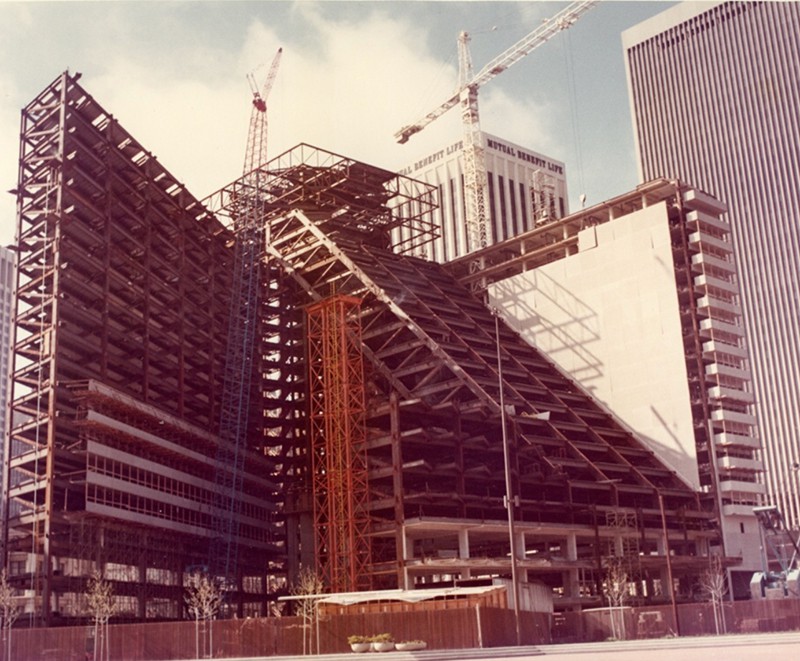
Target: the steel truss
(434, 446)
(338, 442)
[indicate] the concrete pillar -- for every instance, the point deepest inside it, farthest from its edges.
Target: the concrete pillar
(663, 574)
(571, 577)
(619, 546)
(571, 546)
(463, 550)
(406, 553)
(519, 553)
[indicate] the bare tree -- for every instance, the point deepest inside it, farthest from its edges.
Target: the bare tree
(714, 584)
(616, 585)
(308, 583)
(203, 601)
(276, 584)
(9, 611)
(102, 605)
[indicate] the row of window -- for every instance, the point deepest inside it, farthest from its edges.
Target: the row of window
(138, 504)
(128, 472)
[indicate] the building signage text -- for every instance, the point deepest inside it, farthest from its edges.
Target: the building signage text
(522, 155)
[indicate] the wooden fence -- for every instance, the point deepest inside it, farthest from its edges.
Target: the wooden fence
(444, 629)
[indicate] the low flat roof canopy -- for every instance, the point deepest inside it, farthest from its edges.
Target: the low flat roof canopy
(411, 596)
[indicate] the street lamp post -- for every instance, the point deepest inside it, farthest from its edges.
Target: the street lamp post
(509, 490)
(669, 564)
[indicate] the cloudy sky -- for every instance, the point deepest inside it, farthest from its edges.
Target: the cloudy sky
(351, 75)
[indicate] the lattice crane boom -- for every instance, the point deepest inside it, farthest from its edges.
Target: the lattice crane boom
(241, 356)
(510, 56)
(467, 96)
(256, 153)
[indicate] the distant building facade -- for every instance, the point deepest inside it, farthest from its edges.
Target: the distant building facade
(715, 101)
(524, 188)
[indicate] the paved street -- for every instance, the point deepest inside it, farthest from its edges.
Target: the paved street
(749, 647)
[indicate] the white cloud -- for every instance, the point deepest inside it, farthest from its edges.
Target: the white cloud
(9, 147)
(343, 85)
(357, 86)
(196, 130)
(520, 120)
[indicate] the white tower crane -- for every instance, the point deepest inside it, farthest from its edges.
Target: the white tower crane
(467, 96)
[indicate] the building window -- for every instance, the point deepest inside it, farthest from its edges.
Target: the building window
(523, 207)
(453, 218)
(492, 214)
(515, 224)
(502, 230)
(442, 223)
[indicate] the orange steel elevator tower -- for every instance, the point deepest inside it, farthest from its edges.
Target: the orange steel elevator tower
(338, 442)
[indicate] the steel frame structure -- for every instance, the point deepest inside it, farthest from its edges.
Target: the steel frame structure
(121, 326)
(120, 343)
(707, 287)
(436, 478)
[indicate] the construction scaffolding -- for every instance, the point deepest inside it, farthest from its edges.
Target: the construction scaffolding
(338, 443)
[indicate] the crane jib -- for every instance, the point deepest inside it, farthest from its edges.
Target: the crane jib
(541, 34)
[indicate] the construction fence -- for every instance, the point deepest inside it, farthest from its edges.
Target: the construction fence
(700, 619)
(443, 629)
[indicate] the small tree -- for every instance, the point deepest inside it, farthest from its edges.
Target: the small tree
(308, 583)
(616, 585)
(714, 584)
(9, 611)
(102, 605)
(203, 601)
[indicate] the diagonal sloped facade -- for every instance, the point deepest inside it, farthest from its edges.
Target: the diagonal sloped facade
(393, 417)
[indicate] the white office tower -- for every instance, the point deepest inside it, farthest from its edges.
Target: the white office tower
(715, 101)
(525, 189)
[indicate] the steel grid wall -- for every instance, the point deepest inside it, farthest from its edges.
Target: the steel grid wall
(124, 281)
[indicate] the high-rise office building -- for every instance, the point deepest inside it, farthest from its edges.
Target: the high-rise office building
(525, 188)
(715, 101)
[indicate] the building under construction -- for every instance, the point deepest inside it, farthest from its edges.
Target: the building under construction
(409, 393)
(394, 418)
(637, 298)
(122, 299)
